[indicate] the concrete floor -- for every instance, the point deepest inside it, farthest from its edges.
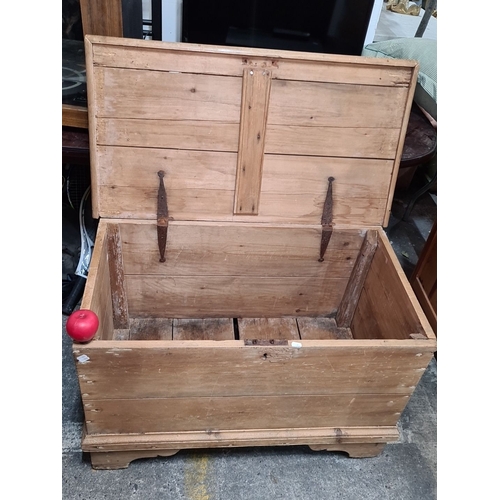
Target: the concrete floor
(405, 470)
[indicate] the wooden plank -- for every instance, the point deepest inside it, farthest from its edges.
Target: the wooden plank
(427, 302)
(92, 93)
(173, 441)
(385, 300)
(102, 17)
(129, 369)
(203, 329)
(74, 116)
(351, 296)
(97, 293)
(198, 184)
(399, 152)
(254, 105)
(335, 105)
(151, 329)
(176, 134)
(117, 278)
(268, 328)
(243, 249)
(286, 65)
(293, 188)
(119, 416)
(321, 329)
(232, 296)
(355, 142)
(127, 93)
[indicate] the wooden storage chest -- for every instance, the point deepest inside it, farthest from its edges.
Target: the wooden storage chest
(246, 291)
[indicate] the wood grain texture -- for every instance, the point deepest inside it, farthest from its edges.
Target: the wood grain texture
(173, 441)
(203, 329)
(335, 105)
(238, 249)
(118, 416)
(171, 134)
(286, 65)
(399, 152)
(268, 328)
(293, 188)
(151, 329)
(357, 279)
(121, 459)
(355, 142)
(321, 329)
(151, 96)
(74, 116)
(254, 105)
(117, 278)
(102, 17)
(140, 370)
(353, 450)
(200, 186)
(384, 309)
(97, 293)
(173, 96)
(231, 296)
(92, 93)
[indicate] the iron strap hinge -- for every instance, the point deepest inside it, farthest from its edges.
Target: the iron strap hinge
(162, 217)
(326, 220)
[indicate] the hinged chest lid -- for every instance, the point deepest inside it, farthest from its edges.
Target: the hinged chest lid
(244, 134)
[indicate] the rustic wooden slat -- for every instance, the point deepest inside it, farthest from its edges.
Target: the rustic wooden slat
(271, 412)
(92, 92)
(75, 116)
(351, 296)
(102, 17)
(268, 328)
(211, 248)
(118, 294)
(293, 188)
(254, 105)
(203, 329)
(406, 108)
(129, 369)
(121, 459)
(353, 142)
(176, 134)
(286, 65)
(387, 304)
(170, 442)
(97, 293)
(335, 105)
(232, 296)
(151, 329)
(200, 186)
(321, 329)
(151, 95)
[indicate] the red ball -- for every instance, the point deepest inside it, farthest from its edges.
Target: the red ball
(82, 325)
